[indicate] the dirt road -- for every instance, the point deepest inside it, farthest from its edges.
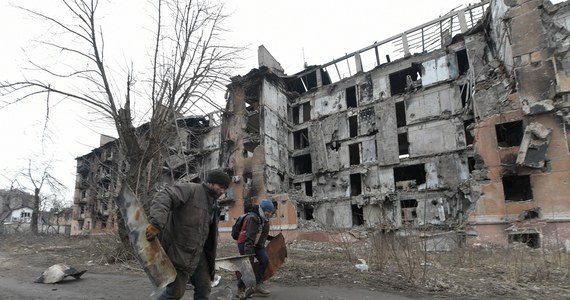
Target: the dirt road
(16, 283)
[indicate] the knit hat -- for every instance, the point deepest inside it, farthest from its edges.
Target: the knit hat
(267, 205)
(220, 177)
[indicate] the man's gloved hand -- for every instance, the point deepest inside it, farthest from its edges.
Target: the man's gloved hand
(151, 232)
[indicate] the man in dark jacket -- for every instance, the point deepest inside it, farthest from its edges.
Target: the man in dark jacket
(185, 218)
(252, 237)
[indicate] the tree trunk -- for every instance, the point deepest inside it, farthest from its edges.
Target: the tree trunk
(35, 212)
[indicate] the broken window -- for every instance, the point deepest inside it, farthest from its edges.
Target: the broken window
(309, 188)
(305, 211)
(400, 114)
(302, 164)
(351, 97)
(252, 126)
(408, 208)
(405, 80)
(301, 139)
(354, 154)
(509, 134)
(530, 214)
(306, 187)
(357, 215)
(306, 111)
(530, 239)
(462, 61)
(403, 145)
(469, 138)
(355, 184)
(296, 115)
(409, 177)
(464, 94)
(301, 113)
(353, 126)
(471, 164)
(517, 188)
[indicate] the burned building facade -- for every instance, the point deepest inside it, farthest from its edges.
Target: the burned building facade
(458, 125)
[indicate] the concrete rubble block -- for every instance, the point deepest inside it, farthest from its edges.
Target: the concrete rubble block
(532, 152)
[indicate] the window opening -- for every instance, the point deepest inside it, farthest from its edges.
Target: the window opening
(302, 164)
(296, 114)
(309, 188)
(354, 154)
(404, 80)
(308, 212)
(517, 188)
(462, 61)
(509, 134)
(301, 139)
(355, 184)
(403, 145)
(469, 138)
(409, 177)
(464, 95)
(530, 239)
(357, 215)
(353, 126)
(408, 209)
(400, 114)
(351, 97)
(471, 164)
(306, 111)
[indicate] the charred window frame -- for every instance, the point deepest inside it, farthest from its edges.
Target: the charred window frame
(509, 134)
(517, 188)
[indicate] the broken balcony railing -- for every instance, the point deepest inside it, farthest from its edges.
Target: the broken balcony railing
(427, 37)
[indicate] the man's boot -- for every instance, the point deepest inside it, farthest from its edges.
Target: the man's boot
(261, 290)
(241, 293)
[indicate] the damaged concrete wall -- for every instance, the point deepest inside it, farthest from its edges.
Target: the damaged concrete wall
(523, 137)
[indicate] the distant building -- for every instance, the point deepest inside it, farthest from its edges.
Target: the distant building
(191, 155)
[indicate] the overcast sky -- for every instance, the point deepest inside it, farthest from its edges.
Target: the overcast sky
(294, 31)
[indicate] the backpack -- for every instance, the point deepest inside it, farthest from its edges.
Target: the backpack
(236, 228)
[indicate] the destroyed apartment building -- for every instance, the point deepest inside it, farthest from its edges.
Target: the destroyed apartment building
(194, 149)
(455, 127)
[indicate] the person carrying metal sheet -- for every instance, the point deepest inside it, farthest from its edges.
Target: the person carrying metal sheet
(185, 218)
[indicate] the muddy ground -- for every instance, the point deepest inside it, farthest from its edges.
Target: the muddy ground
(323, 270)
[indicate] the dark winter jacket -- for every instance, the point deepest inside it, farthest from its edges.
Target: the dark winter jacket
(187, 215)
(254, 231)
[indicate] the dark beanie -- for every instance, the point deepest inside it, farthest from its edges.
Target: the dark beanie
(218, 176)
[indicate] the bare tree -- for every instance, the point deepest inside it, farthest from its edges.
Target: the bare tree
(189, 60)
(39, 178)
